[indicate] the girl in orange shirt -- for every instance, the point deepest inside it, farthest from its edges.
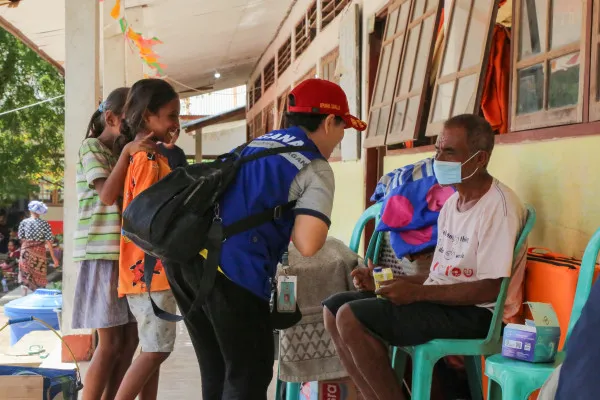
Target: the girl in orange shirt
(151, 111)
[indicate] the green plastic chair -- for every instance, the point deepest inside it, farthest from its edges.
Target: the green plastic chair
(426, 355)
(516, 380)
(292, 389)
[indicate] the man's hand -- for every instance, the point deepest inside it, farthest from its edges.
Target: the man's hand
(363, 278)
(399, 291)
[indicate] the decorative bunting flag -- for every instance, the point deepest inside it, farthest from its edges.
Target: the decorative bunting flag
(145, 46)
(116, 11)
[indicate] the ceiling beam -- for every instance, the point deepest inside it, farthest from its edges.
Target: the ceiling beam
(10, 28)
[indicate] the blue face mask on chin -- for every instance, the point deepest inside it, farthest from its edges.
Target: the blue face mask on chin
(450, 172)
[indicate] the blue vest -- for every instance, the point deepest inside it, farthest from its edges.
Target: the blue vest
(250, 258)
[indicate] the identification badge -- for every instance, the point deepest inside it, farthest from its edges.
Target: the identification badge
(286, 293)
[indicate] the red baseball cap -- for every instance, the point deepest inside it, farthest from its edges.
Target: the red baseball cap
(318, 96)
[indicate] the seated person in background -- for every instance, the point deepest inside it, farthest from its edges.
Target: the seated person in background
(58, 251)
(10, 267)
(478, 227)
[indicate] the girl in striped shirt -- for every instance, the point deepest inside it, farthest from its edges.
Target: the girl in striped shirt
(103, 161)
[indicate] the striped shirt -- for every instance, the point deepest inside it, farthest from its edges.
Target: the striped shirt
(98, 225)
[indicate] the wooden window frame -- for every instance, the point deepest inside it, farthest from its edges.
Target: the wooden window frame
(327, 59)
(258, 125)
(269, 74)
(309, 74)
(269, 117)
(250, 95)
(282, 100)
(547, 117)
(589, 127)
(415, 26)
(257, 92)
(249, 129)
(284, 56)
(434, 127)
(302, 36)
(311, 19)
(372, 139)
(330, 9)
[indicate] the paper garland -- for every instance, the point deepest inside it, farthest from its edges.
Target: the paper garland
(145, 46)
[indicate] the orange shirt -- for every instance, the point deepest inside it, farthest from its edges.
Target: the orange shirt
(144, 170)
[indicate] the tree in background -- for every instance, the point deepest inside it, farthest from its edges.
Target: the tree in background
(31, 140)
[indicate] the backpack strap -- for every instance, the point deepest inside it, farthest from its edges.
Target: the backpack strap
(149, 264)
(253, 221)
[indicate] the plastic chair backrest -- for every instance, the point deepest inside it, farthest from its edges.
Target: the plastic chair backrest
(585, 280)
(496, 325)
(369, 214)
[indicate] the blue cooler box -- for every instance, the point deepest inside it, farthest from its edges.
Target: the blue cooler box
(42, 304)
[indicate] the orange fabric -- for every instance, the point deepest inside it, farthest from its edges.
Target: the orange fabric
(441, 24)
(552, 278)
(144, 170)
(494, 102)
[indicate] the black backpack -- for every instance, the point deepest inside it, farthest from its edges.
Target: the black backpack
(179, 216)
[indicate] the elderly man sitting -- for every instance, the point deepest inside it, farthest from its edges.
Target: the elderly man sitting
(477, 230)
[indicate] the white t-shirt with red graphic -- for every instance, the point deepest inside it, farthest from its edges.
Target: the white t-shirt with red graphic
(479, 243)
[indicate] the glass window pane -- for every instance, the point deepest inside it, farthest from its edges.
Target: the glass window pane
(443, 99)
(456, 36)
(403, 19)
(478, 29)
(384, 65)
(391, 28)
(384, 117)
(418, 9)
(567, 18)
(409, 59)
(465, 95)
(564, 81)
(393, 71)
(411, 113)
(398, 117)
(530, 89)
(373, 120)
(423, 53)
(534, 16)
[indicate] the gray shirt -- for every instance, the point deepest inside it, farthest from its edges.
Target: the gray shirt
(313, 188)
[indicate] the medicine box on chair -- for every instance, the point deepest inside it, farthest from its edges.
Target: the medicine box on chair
(537, 339)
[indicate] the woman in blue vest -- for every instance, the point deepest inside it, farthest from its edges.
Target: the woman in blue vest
(232, 332)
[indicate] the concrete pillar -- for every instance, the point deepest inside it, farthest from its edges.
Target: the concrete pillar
(113, 49)
(134, 70)
(198, 136)
(82, 95)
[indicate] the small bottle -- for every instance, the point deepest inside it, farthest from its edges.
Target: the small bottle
(381, 275)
